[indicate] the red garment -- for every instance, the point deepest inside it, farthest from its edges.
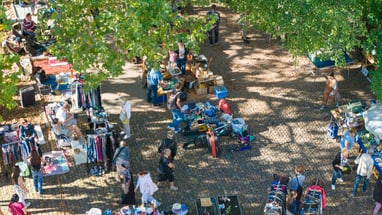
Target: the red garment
(323, 195)
(224, 107)
(16, 208)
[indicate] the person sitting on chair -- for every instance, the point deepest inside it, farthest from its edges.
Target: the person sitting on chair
(29, 26)
(67, 120)
(48, 80)
(26, 127)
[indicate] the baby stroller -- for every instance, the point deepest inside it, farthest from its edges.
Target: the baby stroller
(315, 198)
(276, 198)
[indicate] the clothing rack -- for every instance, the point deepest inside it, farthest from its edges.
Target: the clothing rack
(11, 152)
(100, 148)
(83, 100)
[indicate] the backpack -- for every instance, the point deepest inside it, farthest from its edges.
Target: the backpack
(332, 130)
(172, 100)
(166, 143)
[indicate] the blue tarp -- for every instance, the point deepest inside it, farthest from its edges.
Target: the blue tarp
(320, 64)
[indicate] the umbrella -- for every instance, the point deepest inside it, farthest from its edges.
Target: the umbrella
(373, 120)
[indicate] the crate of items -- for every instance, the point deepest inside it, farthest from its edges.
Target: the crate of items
(220, 92)
(201, 89)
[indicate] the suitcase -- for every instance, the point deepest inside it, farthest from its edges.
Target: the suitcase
(27, 96)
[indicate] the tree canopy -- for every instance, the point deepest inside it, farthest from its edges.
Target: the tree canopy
(97, 37)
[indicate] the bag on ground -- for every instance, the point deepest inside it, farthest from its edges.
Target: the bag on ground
(332, 130)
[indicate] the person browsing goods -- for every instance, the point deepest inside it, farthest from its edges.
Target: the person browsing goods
(154, 79)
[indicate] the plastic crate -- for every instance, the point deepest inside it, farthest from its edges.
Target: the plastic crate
(220, 92)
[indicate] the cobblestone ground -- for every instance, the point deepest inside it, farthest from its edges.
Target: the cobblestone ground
(279, 100)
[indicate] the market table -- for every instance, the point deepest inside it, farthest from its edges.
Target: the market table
(51, 66)
(327, 63)
(376, 156)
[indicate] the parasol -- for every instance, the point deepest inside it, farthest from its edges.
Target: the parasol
(373, 120)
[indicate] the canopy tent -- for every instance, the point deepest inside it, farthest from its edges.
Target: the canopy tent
(373, 120)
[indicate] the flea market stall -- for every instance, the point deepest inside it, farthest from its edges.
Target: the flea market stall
(366, 117)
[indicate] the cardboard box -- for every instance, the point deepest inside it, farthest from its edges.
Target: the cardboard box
(201, 91)
(210, 89)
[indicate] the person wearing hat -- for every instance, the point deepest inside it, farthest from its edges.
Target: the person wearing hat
(166, 169)
(121, 156)
(168, 143)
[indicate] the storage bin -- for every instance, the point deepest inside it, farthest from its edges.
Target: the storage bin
(220, 92)
(161, 99)
(238, 125)
(355, 106)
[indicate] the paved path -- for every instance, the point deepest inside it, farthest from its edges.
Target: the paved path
(278, 100)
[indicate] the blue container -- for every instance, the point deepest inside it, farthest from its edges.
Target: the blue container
(161, 99)
(220, 92)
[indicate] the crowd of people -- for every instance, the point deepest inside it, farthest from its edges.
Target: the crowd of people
(65, 123)
(167, 151)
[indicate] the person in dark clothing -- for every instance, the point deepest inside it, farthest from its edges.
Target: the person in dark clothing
(377, 195)
(48, 80)
(128, 193)
(26, 127)
(166, 169)
(168, 143)
(35, 160)
(338, 166)
(215, 27)
(182, 53)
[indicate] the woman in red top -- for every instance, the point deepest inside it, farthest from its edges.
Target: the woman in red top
(16, 207)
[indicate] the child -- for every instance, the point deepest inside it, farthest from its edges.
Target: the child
(291, 202)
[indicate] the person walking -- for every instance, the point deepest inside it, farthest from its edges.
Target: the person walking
(364, 170)
(297, 183)
(121, 156)
(128, 191)
(244, 26)
(377, 195)
(166, 169)
(154, 79)
(146, 187)
(175, 106)
(331, 91)
(35, 161)
(215, 26)
(16, 207)
(338, 164)
(125, 116)
(19, 186)
(168, 143)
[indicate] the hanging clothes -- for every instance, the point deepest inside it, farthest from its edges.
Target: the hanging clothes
(11, 152)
